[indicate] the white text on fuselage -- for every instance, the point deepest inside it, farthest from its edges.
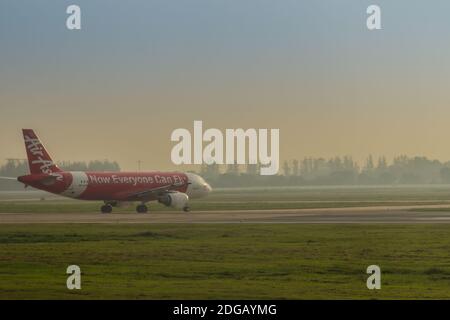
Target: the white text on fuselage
(175, 180)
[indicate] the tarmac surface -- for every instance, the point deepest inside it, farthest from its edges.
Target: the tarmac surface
(386, 214)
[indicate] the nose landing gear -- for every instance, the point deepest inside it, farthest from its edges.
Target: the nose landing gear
(107, 208)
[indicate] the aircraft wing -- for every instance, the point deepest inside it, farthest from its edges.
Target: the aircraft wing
(151, 194)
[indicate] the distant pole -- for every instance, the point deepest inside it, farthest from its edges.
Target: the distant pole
(139, 165)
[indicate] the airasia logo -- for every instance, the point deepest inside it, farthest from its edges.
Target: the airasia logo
(36, 149)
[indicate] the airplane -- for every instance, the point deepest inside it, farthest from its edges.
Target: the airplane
(115, 189)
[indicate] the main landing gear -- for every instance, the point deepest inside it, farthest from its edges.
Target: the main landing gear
(107, 208)
(142, 208)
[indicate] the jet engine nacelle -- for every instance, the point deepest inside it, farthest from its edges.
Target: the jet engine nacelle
(177, 200)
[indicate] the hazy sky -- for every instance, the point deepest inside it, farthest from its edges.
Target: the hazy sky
(140, 69)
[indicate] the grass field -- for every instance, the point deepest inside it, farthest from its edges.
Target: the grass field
(229, 261)
(224, 261)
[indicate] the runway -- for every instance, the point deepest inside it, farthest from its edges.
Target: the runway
(393, 214)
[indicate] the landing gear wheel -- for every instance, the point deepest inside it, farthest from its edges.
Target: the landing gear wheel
(142, 208)
(186, 209)
(106, 208)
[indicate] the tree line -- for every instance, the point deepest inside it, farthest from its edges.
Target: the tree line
(334, 171)
(306, 172)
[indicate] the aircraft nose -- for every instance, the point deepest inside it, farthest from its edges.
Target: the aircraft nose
(207, 188)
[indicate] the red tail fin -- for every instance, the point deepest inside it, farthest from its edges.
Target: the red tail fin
(39, 160)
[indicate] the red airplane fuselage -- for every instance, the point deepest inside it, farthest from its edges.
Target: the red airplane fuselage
(106, 186)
